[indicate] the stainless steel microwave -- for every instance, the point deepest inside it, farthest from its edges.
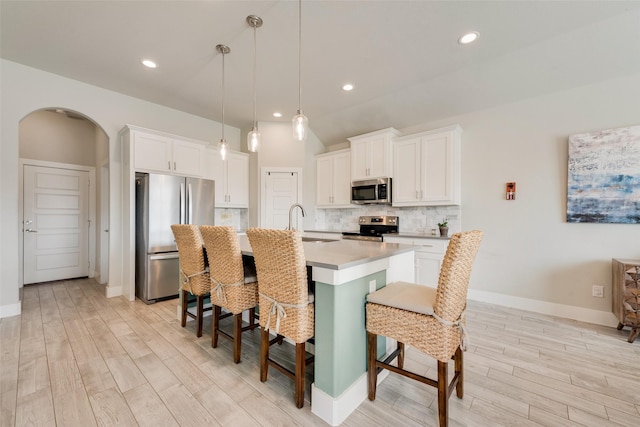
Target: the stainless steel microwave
(371, 191)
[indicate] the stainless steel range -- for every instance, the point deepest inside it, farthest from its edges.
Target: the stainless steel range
(373, 227)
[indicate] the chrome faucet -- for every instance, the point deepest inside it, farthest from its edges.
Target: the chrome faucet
(295, 205)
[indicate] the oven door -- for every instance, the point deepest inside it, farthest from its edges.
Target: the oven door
(363, 192)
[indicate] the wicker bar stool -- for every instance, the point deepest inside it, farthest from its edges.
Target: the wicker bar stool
(285, 304)
(193, 273)
(231, 288)
(431, 320)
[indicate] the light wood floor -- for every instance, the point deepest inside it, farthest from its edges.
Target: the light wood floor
(76, 358)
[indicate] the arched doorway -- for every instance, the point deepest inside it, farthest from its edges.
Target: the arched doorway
(63, 148)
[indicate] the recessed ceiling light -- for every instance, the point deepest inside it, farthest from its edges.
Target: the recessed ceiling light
(149, 63)
(469, 37)
(347, 87)
(276, 114)
(60, 111)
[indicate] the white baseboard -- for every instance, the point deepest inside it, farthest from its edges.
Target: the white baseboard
(561, 310)
(10, 310)
(334, 410)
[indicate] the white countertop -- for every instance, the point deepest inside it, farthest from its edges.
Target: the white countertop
(341, 254)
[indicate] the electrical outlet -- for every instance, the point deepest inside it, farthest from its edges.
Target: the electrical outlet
(372, 286)
(597, 291)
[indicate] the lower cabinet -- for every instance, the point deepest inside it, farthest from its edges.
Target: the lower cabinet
(428, 258)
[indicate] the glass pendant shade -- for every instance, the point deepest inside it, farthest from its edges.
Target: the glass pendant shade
(300, 126)
(253, 140)
(222, 149)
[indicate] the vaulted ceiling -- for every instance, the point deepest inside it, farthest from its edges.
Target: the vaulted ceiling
(402, 56)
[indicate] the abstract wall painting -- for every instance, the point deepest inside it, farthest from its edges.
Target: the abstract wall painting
(604, 176)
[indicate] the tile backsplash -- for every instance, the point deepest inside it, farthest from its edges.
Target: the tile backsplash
(236, 218)
(412, 220)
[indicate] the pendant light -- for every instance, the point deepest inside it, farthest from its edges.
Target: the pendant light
(223, 147)
(300, 121)
(253, 137)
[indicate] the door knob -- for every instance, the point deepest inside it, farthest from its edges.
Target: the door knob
(29, 230)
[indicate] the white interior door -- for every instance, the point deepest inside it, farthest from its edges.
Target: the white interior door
(281, 192)
(55, 223)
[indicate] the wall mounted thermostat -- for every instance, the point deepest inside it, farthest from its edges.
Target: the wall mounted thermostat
(511, 191)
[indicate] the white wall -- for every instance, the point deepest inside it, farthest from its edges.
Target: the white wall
(25, 90)
(529, 250)
(49, 136)
(279, 149)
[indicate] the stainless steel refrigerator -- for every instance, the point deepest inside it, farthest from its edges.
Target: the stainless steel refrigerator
(162, 200)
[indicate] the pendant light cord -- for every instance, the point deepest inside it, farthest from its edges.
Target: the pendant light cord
(255, 60)
(299, 56)
(223, 54)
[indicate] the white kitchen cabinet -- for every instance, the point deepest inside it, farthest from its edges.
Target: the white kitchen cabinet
(164, 154)
(428, 258)
(371, 154)
(427, 168)
(333, 180)
(231, 177)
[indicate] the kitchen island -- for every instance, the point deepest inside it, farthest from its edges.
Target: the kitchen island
(344, 272)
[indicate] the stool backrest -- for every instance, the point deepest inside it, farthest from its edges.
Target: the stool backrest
(453, 282)
(223, 252)
(280, 264)
(191, 255)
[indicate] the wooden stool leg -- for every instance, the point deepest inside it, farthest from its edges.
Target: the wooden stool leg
(215, 325)
(237, 337)
(300, 365)
(372, 356)
(200, 303)
(264, 354)
(400, 355)
(620, 326)
(458, 361)
(633, 334)
(252, 317)
(185, 301)
(443, 394)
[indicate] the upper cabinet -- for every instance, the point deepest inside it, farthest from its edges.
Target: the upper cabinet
(427, 168)
(231, 177)
(333, 180)
(159, 153)
(371, 154)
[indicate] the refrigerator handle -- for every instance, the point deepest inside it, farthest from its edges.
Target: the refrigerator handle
(182, 205)
(190, 205)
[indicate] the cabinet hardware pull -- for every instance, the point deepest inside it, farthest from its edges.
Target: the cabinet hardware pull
(174, 165)
(169, 165)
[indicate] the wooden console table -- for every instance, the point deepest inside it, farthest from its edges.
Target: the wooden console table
(626, 294)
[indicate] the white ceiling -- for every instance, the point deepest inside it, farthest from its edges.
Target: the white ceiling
(402, 56)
